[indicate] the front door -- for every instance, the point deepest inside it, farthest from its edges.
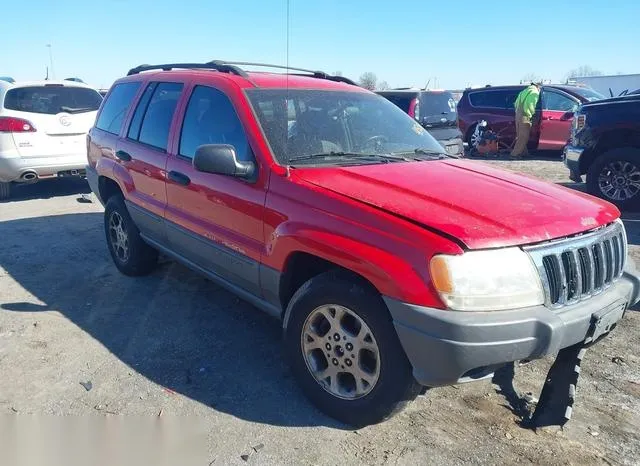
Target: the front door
(556, 118)
(215, 221)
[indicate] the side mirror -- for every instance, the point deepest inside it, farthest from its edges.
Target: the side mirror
(221, 160)
(567, 116)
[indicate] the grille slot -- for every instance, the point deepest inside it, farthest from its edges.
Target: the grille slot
(578, 268)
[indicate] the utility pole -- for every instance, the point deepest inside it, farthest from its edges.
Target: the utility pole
(53, 74)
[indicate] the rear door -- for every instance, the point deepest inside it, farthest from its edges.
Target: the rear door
(142, 154)
(61, 114)
(556, 118)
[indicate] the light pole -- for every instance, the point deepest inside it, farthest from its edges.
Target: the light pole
(53, 75)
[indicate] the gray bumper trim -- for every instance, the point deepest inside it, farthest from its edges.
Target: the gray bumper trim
(443, 345)
(92, 179)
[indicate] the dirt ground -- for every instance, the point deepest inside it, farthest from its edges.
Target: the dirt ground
(78, 338)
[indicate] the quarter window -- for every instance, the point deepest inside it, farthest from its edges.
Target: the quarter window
(211, 119)
(156, 122)
(116, 106)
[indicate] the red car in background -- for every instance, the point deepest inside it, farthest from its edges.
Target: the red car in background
(551, 123)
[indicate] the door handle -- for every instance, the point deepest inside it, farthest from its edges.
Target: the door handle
(179, 178)
(124, 156)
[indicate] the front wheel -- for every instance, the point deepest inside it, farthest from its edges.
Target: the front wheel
(615, 177)
(345, 353)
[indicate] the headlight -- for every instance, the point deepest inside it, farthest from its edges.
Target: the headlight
(487, 280)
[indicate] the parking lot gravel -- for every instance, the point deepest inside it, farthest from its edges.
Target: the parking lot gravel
(79, 338)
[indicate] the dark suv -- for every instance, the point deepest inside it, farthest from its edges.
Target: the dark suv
(551, 123)
(391, 265)
(435, 111)
(605, 145)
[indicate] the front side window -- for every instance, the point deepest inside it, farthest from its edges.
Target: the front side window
(116, 106)
(211, 119)
(156, 123)
(557, 102)
(334, 127)
(52, 99)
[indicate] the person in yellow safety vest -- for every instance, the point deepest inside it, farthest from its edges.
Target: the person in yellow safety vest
(525, 105)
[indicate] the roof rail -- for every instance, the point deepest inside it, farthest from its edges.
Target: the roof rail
(8, 79)
(213, 65)
(313, 73)
(234, 68)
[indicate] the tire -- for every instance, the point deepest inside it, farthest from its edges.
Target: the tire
(131, 255)
(615, 177)
(388, 391)
(5, 190)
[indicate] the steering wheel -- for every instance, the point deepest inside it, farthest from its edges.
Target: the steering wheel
(376, 141)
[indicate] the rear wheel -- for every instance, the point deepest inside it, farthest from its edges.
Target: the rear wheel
(615, 177)
(128, 250)
(5, 190)
(345, 352)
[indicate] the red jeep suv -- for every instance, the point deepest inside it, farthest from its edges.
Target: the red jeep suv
(392, 266)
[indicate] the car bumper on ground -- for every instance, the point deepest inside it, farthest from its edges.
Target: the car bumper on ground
(15, 168)
(454, 147)
(447, 347)
(571, 157)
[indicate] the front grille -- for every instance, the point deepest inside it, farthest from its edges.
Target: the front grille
(577, 268)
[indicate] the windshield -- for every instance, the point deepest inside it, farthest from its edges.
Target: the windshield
(589, 94)
(440, 103)
(52, 99)
(343, 125)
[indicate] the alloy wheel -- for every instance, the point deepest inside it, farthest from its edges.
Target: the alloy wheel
(119, 237)
(619, 180)
(340, 352)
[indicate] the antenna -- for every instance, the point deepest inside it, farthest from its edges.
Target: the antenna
(53, 74)
(46, 78)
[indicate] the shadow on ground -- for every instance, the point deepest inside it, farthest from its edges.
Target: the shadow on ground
(47, 189)
(173, 327)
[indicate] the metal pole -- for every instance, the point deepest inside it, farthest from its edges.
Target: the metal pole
(53, 74)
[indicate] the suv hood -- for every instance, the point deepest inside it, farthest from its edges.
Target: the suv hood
(480, 206)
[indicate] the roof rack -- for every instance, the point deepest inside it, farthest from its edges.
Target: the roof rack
(213, 65)
(234, 68)
(313, 73)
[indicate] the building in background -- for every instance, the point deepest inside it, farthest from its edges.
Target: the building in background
(610, 86)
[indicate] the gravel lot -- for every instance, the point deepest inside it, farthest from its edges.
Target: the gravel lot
(173, 344)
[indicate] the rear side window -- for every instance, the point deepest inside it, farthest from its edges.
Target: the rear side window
(156, 122)
(52, 99)
(211, 119)
(492, 99)
(136, 122)
(116, 106)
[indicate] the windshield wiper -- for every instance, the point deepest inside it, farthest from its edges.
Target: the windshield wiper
(76, 109)
(386, 158)
(422, 151)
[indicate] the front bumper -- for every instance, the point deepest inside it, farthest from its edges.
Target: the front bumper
(12, 169)
(571, 157)
(448, 347)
